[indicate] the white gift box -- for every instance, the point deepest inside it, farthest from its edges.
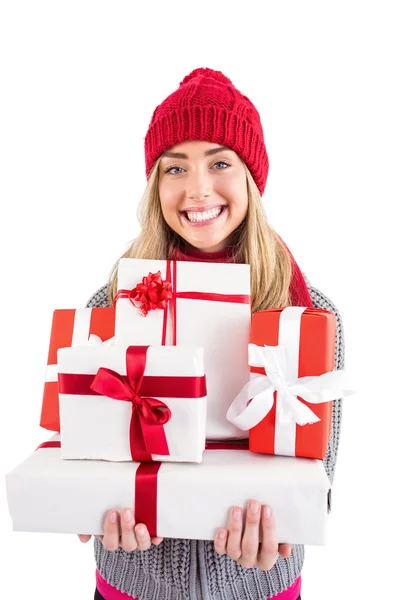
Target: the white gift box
(220, 325)
(191, 500)
(98, 426)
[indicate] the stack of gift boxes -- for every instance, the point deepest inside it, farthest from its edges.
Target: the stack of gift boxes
(178, 403)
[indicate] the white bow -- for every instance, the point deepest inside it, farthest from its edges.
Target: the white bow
(260, 390)
(95, 340)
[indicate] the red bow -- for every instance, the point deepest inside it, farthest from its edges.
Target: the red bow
(152, 293)
(146, 433)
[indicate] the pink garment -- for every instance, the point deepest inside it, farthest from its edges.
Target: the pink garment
(111, 593)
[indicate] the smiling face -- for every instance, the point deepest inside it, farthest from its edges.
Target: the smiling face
(203, 193)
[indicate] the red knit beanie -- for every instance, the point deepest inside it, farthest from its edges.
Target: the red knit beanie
(208, 107)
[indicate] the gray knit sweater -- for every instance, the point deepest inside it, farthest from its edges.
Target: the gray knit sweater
(190, 569)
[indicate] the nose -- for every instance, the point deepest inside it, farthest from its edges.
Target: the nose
(199, 186)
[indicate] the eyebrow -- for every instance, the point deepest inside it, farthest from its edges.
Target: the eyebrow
(207, 153)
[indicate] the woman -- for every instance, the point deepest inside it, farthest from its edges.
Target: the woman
(207, 166)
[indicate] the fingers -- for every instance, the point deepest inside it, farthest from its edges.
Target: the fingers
(111, 531)
(132, 536)
(220, 541)
(285, 550)
(235, 528)
(269, 544)
(251, 536)
(128, 538)
(135, 536)
(156, 540)
(142, 536)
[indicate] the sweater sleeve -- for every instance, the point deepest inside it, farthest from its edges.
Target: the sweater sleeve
(319, 300)
(99, 299)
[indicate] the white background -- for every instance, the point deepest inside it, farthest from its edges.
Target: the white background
(79, 82)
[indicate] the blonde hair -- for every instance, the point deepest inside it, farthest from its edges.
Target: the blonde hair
(255, 243)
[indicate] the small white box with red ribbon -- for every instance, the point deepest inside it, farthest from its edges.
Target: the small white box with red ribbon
(138, 403)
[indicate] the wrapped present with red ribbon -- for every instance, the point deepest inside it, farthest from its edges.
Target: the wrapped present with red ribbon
(287, 404)
(140, 403)
(174, 500)
(71, 327)
(183, 303)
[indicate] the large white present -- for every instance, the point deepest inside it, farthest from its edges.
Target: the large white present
(132, 403)
(192, 303)
(184, 500)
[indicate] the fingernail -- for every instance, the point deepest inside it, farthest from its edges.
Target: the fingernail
(266, 512)
(254, 507)
(113, 517)
(236, 514)
(222, 535)
(140, 530)
(128, 515)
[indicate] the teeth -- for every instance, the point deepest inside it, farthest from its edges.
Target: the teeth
(196, 217)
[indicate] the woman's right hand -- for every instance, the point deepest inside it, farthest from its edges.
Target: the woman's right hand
(120, 531)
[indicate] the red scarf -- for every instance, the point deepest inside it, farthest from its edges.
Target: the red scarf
(298, 290)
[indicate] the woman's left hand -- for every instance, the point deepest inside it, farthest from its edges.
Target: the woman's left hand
(244, 546)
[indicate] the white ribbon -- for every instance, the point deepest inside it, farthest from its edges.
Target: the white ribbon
(51, 373)
(281, 367)
(95, 340)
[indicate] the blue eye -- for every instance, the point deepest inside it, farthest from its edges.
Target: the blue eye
(222, 162)
(170, 169)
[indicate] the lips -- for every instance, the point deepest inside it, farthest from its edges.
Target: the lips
(202, 208)
(204, 214)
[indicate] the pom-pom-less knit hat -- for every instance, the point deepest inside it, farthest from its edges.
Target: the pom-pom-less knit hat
(208, 107)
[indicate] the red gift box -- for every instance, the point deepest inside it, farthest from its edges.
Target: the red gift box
(287, 404)
(316, 356)
(70, 327)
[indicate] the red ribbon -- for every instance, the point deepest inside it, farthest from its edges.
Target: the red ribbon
(146, 479)
(157, 385)
(54, 444)
(209, 446)
(228, 445)
(154, 292)
(149, 415)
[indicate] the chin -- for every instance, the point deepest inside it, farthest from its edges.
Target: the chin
(207, 246)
